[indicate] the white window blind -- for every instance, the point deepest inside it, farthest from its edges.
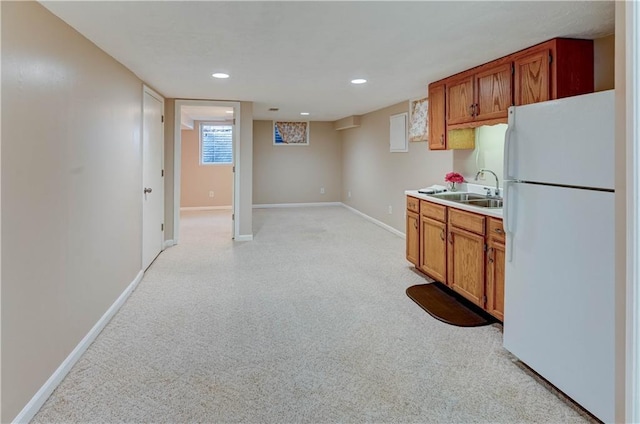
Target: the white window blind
(216, 144)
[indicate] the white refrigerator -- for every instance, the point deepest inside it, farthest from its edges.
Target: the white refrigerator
(559, 219)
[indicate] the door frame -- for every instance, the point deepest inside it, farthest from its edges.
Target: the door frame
(148, 90)
(177, 162)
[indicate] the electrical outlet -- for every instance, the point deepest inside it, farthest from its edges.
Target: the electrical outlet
(211, 194)
(321, 190)
(390, 210)
(349, 194)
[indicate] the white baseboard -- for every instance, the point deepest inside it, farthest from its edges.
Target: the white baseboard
(168, 243)
(244, 237)
(295, 205)
(36, 402)
(205, 208)
(375, 221)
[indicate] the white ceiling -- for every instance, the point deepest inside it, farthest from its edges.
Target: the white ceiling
(190, 114)
(300, 56)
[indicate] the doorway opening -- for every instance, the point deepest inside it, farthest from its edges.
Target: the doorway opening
(206, 184)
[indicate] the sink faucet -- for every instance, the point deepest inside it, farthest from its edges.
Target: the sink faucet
(497, 191)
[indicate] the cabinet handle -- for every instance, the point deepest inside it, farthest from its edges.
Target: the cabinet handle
(442, 139)
(475, 110)
(442, 235)
(471, 110)
(147, 190)
(498, 230)
(415, 224)
(450, 238)
(490, 255)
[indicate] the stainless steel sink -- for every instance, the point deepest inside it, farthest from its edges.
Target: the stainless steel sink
(485, 203)
(459, 197)
(472, 199)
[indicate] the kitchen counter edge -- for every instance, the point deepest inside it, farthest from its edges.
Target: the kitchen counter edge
(494, 212)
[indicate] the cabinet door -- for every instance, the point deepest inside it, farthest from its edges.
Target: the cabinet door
(466, 264)
(493, 92)
(495, 279)
(433, 249)
(532, 78)
(412, 237)
(437, 123)
(460, 101)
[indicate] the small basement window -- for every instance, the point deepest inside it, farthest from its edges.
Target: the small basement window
(290, 133)
(216, 144)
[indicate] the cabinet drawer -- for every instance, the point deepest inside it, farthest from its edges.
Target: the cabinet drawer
(495, 229)
(467, 221)
(413, 204)
(433, 211)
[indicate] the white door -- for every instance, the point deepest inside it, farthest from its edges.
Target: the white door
(152, 177)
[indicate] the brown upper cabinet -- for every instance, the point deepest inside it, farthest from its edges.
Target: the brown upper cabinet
(533, 81)
(437, 118)
(461, 99)
(480, 96)
(494, 93)
(554, 69)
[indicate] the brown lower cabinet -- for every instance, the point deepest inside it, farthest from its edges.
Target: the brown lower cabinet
(465, 255)
(433, 236)
(413, 226)
(413, 240)
(433, 257)
(495, 268)
(463, 250)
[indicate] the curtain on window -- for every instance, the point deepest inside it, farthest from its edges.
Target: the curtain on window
(418, 127)
(293, 132)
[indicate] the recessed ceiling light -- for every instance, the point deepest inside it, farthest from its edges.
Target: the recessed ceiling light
(220, 75)
(304, 113)
(358, 81)
(229, 111)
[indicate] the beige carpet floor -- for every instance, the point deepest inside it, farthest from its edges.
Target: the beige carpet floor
(307, 323)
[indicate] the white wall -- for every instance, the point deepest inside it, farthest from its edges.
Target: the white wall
(377, 178)
(295, 174)
(488, 154)
(245, 168)
(71, 193)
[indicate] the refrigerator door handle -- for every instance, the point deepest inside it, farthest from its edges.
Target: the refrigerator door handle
(508, 225)
(507, 145)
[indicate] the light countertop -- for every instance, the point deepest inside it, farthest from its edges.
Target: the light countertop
(466, 188)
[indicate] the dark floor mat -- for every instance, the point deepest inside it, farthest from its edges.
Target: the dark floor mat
(445, 305)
